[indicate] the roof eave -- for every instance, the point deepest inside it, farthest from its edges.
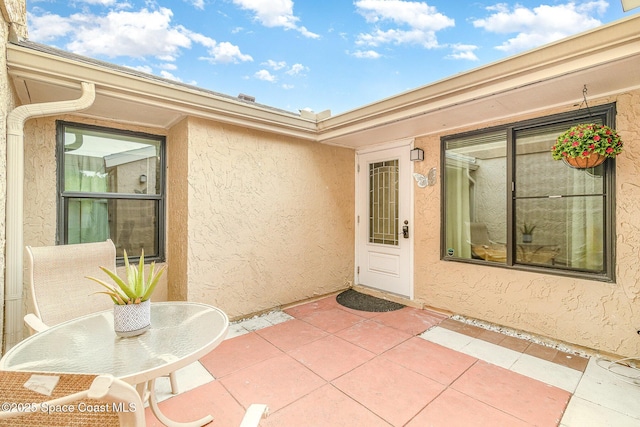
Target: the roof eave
(25, 64)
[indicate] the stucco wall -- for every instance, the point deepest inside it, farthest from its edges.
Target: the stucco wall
(254, 221)
(178, 209)
(599, 315)
(270, 219)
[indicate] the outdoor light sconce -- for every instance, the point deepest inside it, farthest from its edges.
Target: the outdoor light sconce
(417, 155)
(143, 179)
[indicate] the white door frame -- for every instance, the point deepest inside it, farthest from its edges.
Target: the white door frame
(408, 142)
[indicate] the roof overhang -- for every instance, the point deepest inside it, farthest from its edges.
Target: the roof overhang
(606, 59)
(42, 74)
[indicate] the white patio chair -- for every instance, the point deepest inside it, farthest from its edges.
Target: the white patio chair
(254, 414)
(59, 288)
(89, 400)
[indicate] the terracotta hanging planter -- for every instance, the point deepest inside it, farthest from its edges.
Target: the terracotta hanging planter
(591, 161)
(587, 145)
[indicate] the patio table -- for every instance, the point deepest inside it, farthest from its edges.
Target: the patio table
(539, 253)
(180, 334)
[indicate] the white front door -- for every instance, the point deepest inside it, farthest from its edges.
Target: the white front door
(383, 211)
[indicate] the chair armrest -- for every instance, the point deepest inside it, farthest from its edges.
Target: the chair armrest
(34, 323)
(254, 414)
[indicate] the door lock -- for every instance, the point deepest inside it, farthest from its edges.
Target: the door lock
(405, 229)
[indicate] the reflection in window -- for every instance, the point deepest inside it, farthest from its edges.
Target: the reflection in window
(566, 206)
(475, 178)
(111, 188)
(507, 202)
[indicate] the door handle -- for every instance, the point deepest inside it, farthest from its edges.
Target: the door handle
(405, 229)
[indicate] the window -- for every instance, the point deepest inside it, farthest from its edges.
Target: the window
(507, 202)
(111, 186)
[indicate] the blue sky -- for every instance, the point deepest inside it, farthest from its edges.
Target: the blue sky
(309, 54)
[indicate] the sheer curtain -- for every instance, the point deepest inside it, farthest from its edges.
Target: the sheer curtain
(585, 221)
(458, 212)
(88, 220)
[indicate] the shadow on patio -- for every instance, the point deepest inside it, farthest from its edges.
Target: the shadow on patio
(322, 364)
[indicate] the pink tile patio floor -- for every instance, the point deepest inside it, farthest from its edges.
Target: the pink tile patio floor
(333, 366)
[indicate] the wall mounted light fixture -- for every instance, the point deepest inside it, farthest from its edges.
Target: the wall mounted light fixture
(417, 155)
(143, 179)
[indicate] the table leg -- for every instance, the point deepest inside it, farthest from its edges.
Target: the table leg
(153, 403)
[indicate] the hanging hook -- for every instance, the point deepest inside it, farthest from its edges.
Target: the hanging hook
(584, 100)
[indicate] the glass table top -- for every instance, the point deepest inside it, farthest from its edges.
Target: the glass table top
(180, 333)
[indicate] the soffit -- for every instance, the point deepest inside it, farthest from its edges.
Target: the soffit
(606, 59)
(44, 74)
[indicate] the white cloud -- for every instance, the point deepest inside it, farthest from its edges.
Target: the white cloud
(198, 4)
(275, 65)
(143, 68)
(287, 86)
(413, 22)
(100, 2)
(226, 53)
(275, 13)
(168, 66)
(135, 34)
(366, 54)
(48, 27)
(122, 33)
(297, 69)
(463, 51)
(168, 75)
(542, 24)
(265, 75)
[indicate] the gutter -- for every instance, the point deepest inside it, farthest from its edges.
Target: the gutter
(14, 285)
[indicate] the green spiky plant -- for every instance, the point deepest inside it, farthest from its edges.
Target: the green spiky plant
(527, 228)
(136, 288)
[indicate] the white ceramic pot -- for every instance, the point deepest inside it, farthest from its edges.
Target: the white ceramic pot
(132, 319)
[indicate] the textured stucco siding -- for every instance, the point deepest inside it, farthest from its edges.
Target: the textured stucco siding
(178, 209)
(270, 219)
(598, 315)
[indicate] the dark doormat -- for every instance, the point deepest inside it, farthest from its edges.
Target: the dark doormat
(359, 301)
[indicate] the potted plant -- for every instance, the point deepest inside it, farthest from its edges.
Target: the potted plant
(527, 232)
(131, 297)
(587, 145)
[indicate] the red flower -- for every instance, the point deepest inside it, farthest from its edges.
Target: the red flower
(592, 146)
(575, 143)
(585, 153)
(596, 138)
(609, 150)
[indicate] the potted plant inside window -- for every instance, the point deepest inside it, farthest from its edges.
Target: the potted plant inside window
(527, 232)
(587, 145)
(131, 297)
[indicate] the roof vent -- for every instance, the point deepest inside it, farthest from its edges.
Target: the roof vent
(247, 98)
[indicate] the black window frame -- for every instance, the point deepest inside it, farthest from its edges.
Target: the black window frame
(606, 113)
(64, 196)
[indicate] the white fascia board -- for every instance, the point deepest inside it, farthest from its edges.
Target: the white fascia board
(29, 64)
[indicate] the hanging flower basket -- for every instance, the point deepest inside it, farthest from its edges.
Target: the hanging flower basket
(587, 145)
(591, 161)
